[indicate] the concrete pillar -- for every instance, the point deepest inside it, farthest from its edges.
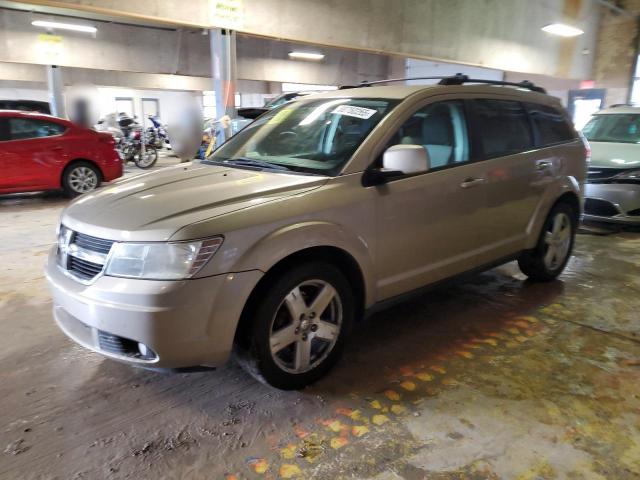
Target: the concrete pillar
(223, 64)
(56, 88)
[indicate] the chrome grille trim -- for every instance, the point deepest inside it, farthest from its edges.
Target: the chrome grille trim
(81, 256)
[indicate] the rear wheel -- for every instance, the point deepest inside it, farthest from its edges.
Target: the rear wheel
(297, 328)
(548, 259)
(79, 178)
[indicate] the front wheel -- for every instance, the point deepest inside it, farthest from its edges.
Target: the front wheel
(297, 328)
(148, 159)
(548, 259)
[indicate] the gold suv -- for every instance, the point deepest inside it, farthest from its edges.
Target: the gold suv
(314, 214)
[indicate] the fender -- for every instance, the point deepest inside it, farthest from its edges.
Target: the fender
(290, 239)
(565, 184)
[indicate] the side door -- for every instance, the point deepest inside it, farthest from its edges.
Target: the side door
(35, 153)
(515, 172)
(427, 224)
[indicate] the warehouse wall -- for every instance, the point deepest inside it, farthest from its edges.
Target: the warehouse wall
(175, 58)
(499, 34)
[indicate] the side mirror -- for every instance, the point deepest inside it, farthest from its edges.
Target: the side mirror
(397, 161)
(406, 159)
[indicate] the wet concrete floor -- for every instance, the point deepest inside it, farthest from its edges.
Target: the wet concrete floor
(488, 378)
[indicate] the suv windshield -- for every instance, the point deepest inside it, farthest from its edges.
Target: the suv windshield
(315, 136)
(618, 128)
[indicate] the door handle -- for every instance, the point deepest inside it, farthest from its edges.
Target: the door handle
(543, 165)
(472, 182)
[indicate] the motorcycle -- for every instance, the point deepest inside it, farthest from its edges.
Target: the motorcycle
(157, 134)
(131, 147)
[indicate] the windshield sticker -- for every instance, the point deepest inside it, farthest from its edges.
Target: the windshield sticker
(357, 112)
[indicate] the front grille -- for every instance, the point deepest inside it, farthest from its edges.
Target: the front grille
(600, 174)
(92, 243)
(600, 208)
(82, 268)
(82, 255)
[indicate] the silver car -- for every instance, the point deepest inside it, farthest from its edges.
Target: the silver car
(320, 211)
(612, 193)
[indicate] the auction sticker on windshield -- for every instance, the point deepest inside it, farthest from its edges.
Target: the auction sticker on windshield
(357, 112)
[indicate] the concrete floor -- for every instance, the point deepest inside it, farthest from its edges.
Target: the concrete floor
(488, 378)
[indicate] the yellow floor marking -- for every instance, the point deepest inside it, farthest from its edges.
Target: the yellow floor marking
(392, 395)
(288, 470)
(379, 419)
(375, 404)
(398, 409)
(424, 376)
(359, 430)
(338, 442)
(407, 385)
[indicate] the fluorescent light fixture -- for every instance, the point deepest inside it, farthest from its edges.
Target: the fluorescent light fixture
(306, 55)
(562, 30)
(64, 26)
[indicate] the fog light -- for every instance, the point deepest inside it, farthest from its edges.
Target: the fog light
(142, 348)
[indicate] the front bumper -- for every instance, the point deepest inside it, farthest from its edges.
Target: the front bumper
(184, 323)
(612, 203)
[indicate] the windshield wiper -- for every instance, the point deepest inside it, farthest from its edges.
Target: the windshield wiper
(251, 162)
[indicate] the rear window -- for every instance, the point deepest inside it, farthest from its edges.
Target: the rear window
(614, 128)
(25, 128)
(503, 127)
(551, 125)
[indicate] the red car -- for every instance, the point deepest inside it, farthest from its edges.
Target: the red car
(41, 152)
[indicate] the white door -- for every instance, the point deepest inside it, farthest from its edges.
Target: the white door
(125, 105)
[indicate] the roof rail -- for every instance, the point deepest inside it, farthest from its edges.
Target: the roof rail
(457, 79)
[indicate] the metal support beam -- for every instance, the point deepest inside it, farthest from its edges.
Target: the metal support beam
(223, 61)
(56, 87)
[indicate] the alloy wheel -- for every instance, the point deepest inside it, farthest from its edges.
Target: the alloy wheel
(558, 241)
(83, 179)
(306, 326)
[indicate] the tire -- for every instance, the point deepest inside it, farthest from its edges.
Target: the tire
(79, 178)
(151, 154)
(558, 234)
(285, 343)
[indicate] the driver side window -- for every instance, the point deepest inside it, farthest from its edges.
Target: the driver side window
(441, 128)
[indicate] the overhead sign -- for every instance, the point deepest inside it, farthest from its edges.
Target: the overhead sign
(50, 47)
(227, 14)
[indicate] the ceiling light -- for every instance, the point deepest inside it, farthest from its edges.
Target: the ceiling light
(64, 26)
(562, 30)
(306, 55)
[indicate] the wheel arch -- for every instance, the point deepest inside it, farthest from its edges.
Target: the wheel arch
(75, 161)
(568, 191)
(336, 256)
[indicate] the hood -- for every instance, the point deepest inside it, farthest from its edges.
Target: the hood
(615, 155)
(153, 206)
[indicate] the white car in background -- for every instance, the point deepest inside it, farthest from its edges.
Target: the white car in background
(612, 192)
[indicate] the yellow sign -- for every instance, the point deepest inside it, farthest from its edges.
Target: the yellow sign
(49, 47)
(227, 14)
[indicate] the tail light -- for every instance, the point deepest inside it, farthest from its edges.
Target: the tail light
(587, 147)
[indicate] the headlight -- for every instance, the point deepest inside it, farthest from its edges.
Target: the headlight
(161, 261)
(629, 175)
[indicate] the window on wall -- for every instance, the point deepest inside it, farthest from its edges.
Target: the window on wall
(209, 104)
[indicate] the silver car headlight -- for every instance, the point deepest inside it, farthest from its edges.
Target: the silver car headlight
(161, 261)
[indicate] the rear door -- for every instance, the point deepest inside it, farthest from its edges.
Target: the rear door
(34, 154)
(515, 171)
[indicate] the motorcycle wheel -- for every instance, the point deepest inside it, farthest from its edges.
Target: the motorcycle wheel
(149, 158)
